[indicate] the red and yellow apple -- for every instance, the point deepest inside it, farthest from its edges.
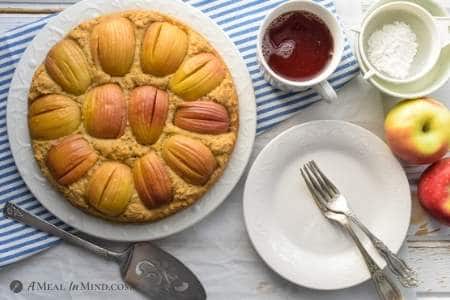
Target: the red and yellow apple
(418, 131)
(70, 159)
(192, 160)
(434, 190)
(197, 76)
(110, 188)
(147, 113)
(105, 111)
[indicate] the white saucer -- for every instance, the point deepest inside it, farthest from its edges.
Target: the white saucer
(286, 227)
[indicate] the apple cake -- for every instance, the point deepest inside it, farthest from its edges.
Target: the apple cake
(133, 116)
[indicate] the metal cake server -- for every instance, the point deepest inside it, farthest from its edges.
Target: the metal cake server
(143, 266)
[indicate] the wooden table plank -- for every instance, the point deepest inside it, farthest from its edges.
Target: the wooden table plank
(46, 6)
(20, 10)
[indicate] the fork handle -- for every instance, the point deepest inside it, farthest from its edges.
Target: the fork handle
(406, 275)
(385, 288)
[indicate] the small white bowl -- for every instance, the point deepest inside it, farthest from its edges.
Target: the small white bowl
(422, 24)
(426, 85)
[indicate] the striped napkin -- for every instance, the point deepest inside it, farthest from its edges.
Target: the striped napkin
(239, 19)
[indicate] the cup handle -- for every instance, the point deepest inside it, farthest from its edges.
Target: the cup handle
(369, 74)
(326, 91)
(356, 29)
(443, 24)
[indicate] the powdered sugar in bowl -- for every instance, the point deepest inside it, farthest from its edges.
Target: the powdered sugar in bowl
(400, 42)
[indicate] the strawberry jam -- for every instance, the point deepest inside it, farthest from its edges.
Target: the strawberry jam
(297, 45)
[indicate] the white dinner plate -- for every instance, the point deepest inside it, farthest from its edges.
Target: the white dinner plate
(20, 140)
(286, 227)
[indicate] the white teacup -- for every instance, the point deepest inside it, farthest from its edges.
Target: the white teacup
(318, 82)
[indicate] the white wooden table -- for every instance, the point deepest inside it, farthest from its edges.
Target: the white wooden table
(428, 242)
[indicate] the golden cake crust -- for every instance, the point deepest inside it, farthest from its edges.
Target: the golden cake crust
(125, 149)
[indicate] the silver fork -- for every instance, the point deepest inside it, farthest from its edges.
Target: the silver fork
(385, 288)
(336, 202)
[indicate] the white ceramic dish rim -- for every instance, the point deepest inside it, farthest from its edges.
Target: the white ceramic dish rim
(434, 56)
(441, 80)
(20, 141)
(254, 241)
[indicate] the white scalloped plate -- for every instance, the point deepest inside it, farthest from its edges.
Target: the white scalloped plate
(286, 227)
(20, 140)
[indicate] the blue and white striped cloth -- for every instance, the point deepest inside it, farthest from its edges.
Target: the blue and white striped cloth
(239, 19)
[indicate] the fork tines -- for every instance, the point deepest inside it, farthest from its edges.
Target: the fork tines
(318, 184)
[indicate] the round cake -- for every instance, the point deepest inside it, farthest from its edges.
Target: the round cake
(133, 116)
